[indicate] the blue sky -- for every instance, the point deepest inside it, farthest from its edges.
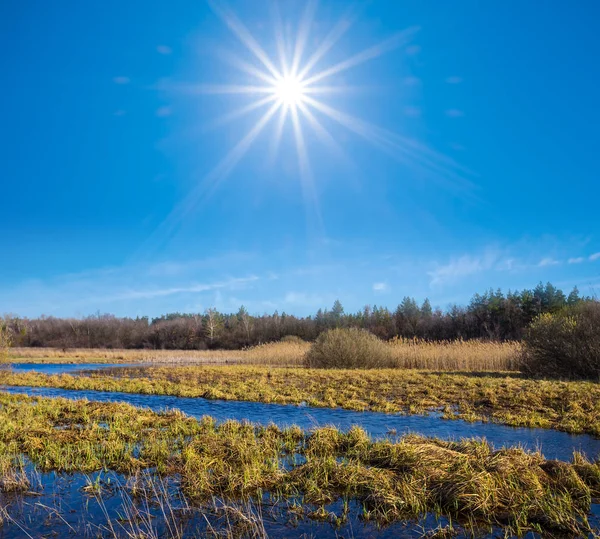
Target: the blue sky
(466, 159)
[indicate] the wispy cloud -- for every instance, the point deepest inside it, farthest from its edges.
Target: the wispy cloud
(135, 288)
(121, 80)
(526, 256)
(164, 49)
(381, 287)
(151, 293)
(189, 268)
(548, 261)
(454, 80)
(413, 50)
(463, 267)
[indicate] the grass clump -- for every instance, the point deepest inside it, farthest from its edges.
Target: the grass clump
(565, 344)
(350, 348)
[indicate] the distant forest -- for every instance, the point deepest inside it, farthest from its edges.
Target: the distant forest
(492, 315)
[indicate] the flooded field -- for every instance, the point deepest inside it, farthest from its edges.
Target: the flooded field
(146, 503)
(553, 444)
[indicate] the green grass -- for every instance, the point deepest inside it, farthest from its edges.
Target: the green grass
(507, 398)
(466, 481)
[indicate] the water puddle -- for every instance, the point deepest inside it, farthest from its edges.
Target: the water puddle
(553, 444)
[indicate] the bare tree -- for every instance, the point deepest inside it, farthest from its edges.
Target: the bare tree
(5, 340)
(213, 324)
(246, 321)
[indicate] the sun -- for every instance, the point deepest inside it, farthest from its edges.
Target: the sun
(289, 91)
(298, 86)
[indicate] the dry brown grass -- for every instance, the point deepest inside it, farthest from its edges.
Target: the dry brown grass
(278, 353)
(103, 355)
(413, 354)
(456, 355)
(275, 353)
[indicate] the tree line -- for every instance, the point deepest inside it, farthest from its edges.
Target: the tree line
(492, 315)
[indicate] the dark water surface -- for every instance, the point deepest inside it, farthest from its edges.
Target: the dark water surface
(552, 443)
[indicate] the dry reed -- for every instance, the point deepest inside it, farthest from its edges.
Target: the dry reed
(457, 355)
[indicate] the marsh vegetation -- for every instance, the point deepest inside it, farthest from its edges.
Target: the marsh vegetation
(507, 398)
(467, 481)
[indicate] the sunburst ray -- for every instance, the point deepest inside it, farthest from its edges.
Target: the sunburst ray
(400, 148)
(243, 34)
(222, 89)
(241, 111)
(248, 68)
(210, 182)
(323, 134)
(303, 31)
(306, 175)
(342, 26)
(394, 42)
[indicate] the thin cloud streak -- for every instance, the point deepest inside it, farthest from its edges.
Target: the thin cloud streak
(152, 293)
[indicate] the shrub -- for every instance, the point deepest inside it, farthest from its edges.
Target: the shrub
(349, 349)
(565, 344)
